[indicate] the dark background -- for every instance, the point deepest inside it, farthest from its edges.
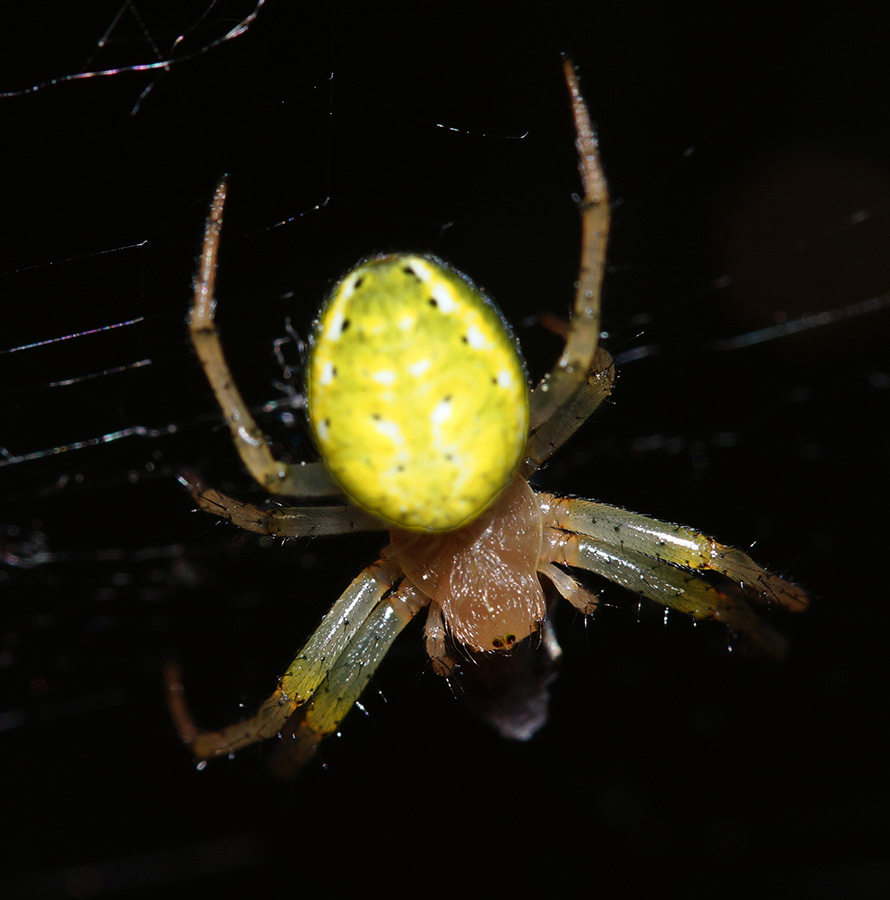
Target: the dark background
(741, 148)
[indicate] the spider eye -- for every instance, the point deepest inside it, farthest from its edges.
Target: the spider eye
(504, 642)
(426, 419)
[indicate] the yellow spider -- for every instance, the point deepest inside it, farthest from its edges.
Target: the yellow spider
(421, 411)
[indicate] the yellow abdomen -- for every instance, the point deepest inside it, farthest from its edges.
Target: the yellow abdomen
(417, 393)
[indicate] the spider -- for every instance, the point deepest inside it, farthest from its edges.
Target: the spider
(421, 411)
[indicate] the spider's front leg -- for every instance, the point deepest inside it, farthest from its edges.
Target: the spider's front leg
(328, 674)
(667, 563)
(346, 681)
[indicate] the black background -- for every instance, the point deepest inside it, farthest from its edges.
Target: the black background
(740, 149)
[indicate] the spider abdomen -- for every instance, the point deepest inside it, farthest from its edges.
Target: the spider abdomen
(417, 393)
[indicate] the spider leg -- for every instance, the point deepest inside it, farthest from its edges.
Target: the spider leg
(667, 563)
(283, 521)
(570, 371)
(347, 678)
(687, 592)
(303, 678)
(434, 632)
(676, 545)
(566, 420)
(569, 589)
(302, 480)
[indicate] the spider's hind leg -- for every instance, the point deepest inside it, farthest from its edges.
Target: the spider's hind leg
(280, 521)
(308, 480)
(557, 386)
(545, 439)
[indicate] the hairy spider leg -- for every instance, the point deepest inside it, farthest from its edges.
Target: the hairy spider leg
(566, 420)
(301, 480)
(677, 545)
(347, 679)
(666, 563)
(570, 371)
(312, 665)
(281, 521)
